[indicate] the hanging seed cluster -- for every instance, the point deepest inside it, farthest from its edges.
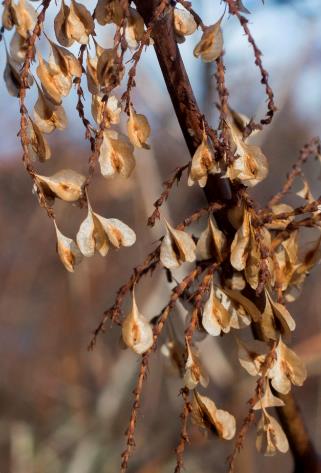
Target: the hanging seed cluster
(240, 277)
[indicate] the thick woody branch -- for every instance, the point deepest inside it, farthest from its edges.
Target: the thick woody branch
(191, 121)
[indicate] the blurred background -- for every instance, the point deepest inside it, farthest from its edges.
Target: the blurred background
(65, 410)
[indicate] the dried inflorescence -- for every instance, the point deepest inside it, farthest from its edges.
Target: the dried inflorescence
(245, 264)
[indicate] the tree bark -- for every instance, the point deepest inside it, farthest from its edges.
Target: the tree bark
(190, 119)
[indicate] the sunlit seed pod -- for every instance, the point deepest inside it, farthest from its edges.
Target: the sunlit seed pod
(176, 248)
(205, 414)
(79, 23)
(194, 371)
(116, 155)
(211, 243)
(184, 23)
(110, 11)
(134, 30)
(138, 129)
(287, 369)
(203, 163)
(268, 399)
(270, 436)
(210, 47)
(47, 115)
(65, 184)
(137, 332)
(68, 251)
(25, 17)
(38, 146)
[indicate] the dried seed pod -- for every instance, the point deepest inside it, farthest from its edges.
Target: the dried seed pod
(67, 250)
(12, 76)
(236, 282)
(38, 146)
(97, 233)
(288, 368)
(18, 48)
(243, 304)
(211, 243)
(205, 414)
(116, 155)
(246, 250)
(311, 258)
(280, 223)
(184, 24)
(79, 23)
(109, 11)
(252, 355)
(240, 244)
(259, 239)
(176, 248)
(47, 115)
(281, 318)
(138, 129)
(216, 317)
(113, 110)
(60, 22)
(91, 75)
(203, 163)
(270, 436)
(8, 19)
(194, 371)
(65, 184)
(137, 332)
(268, 399)
(54, 82)
(25, 17)
(305, 192)
(134, 30)
(210, 47)
(250, 165)
(110, 70)
(65, 60)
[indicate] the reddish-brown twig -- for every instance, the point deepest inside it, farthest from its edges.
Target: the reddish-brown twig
(183, 438)
(167, 185)
(234, 10)
(176, 293)
(30, 54)
(312, 148)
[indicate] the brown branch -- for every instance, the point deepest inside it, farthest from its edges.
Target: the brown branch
(190, 118)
